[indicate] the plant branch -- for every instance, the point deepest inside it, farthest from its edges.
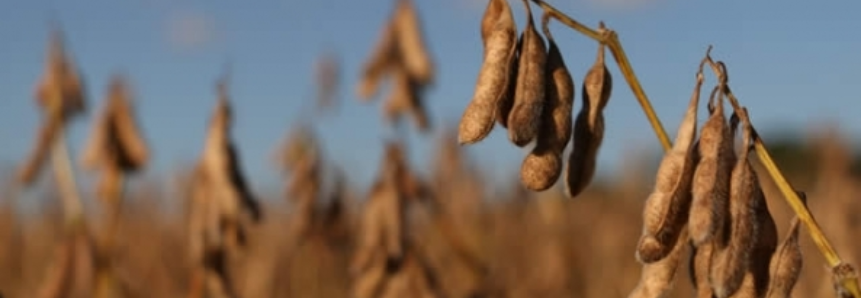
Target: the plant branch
(611, 39)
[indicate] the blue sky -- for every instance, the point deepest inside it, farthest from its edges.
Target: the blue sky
(793, 64)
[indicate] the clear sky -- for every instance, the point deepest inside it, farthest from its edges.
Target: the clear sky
(793, 63)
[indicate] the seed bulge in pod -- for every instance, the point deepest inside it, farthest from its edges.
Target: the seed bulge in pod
(542, 167)
(588, 127)
(665, 210)
(786, 263)
(735, 242)
(525, 117)
(499, 48)
(413, 49)
(712, 175)
(507, 100)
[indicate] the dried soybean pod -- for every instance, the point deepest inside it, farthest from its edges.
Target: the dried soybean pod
(405, 97)
(786, 263)
(413, 49)
(656, 279)
(588, 127)
(499, 49)
(711, 177)
(382, 58)
(134, 152)
(665, 210)
(507, 100)
(766, 236)
(524, 120)
(542, 167)
(735, 243)
(756, 279)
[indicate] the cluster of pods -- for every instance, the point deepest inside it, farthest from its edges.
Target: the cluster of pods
(708, 196)
(525, 86)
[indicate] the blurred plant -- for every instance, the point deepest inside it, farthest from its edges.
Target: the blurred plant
(401, 53)
(223, 207)
(116, 148)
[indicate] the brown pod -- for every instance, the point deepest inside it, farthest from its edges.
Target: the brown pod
(665, 210)
(787, 261)
(507, 100)
(542, 167)
(698, 269)
(222, 166)
(411, 45)
(382, 58)
(134, 151)
(32, 167)
(712, 175)
(735, 242)
(656, 279)
(116, 138)
(589, 127)
(406, 98)
(524, 120)
(500, 40)
(61, 84)
(766, 235)
(60, 95)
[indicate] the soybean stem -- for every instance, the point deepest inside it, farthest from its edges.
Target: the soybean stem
(611, 39)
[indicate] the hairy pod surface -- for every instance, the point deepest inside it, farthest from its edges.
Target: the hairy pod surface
(656, 279)
(506, 102)
(524, 120)
(786, 264)
(735, 242)
(766, 230)
(542, 167)
(500, 44)
(665, 210)
(588, 127)
(712, 175)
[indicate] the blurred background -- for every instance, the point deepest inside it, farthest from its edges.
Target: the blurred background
(794, 65)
